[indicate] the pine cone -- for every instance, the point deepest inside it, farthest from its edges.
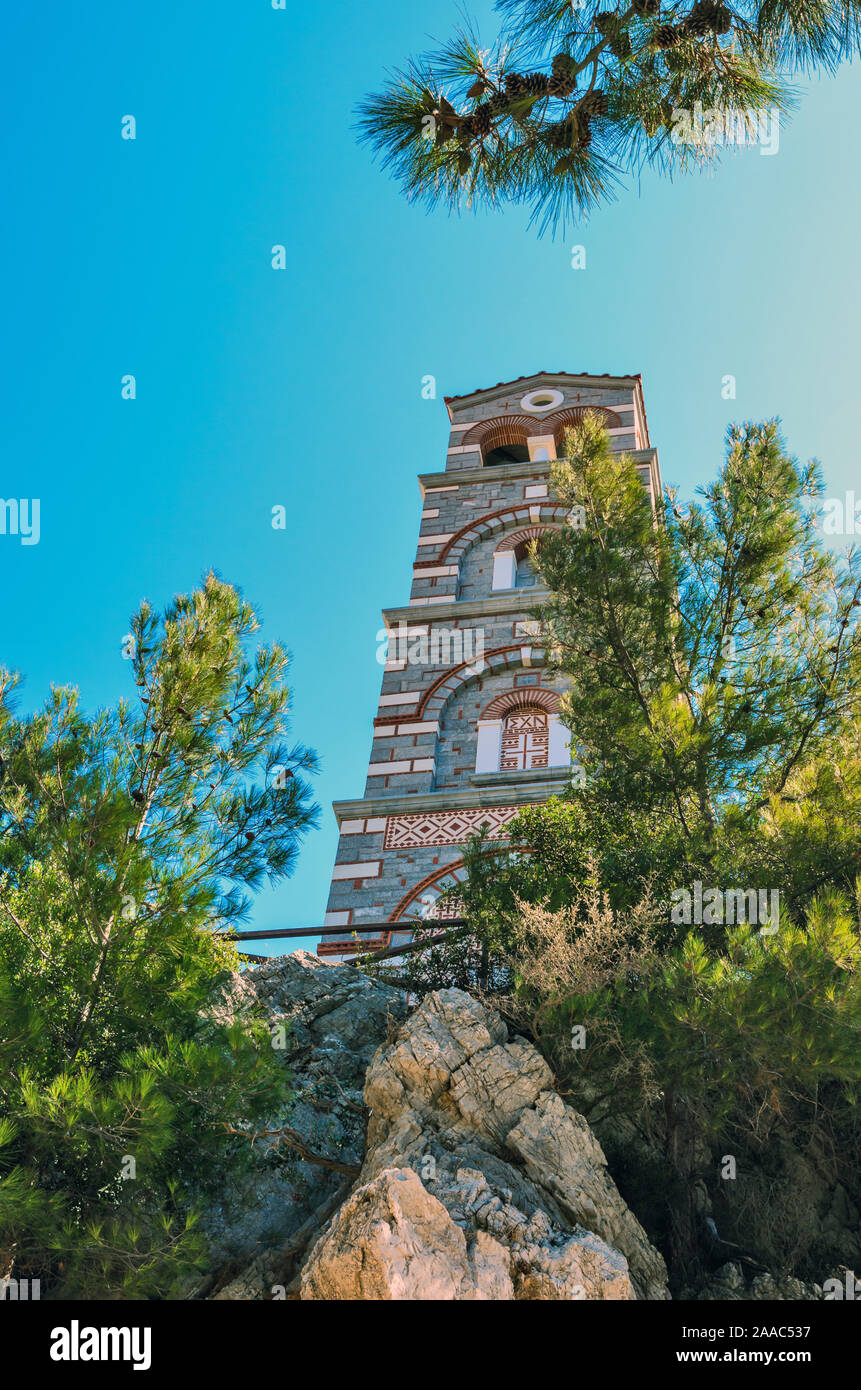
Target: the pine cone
(610, 27)
(515, 85)
(668, 36)
(606, 22)
(497, 103)
(481, 120)
(563, 65)
(535, 84)
(559, 135)
(708, 17)
(647, 7)
(561, 86)
(620, 46)
(572, 133)
(594, 103)
(721, 19)
(697, 23)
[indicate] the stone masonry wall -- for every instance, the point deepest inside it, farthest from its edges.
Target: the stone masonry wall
(424, 738)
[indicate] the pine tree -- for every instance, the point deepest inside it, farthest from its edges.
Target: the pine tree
(128, 841)
(710, 647)
(518, 121)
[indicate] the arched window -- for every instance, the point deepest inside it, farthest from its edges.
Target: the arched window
(525, 741)
(512, 564)
(501, 440)
(560, 420)
(525, 575)
(505, 443)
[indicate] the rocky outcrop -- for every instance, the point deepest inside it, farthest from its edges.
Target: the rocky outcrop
(330, 1020)
(479, 1182)
(728, 1284)
(393, 1239)
(427, 1156)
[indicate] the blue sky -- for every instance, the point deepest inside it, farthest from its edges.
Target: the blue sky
(303, 387)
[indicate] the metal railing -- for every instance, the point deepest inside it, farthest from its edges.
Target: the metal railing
(454, 927)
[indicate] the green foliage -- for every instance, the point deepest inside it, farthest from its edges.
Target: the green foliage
(809, 835)
(690, 1056)
(707, 652)
(565, 101)
(591, 839)
(126, 842)
(752, 1037)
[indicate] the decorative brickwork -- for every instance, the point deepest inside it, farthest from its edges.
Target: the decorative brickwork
(492, 522)
(557, 423)
(525, 741)
(444, 827)
(519, 538)
(511, 700)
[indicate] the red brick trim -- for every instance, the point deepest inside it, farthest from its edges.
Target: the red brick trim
(524, 697)
(453, 671)
(530, 533)
(560, 420)
(512, 429)
(482, 525)
(418, 888)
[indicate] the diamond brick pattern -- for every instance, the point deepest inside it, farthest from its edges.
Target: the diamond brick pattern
(444, 827)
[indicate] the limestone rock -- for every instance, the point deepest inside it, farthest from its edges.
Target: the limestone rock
(479, 1181)
(393, 1240)
(561, 1153)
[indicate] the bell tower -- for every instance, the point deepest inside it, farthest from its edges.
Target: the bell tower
(467, 729)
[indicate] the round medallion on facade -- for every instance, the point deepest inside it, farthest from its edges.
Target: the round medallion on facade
(536, 402)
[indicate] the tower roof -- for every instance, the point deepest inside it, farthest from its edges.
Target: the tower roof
(544, 375)
(606, 379)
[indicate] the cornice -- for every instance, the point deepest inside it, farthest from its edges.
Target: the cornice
(509, 602)
(500, 793)
(461, 477)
